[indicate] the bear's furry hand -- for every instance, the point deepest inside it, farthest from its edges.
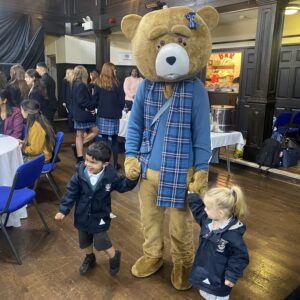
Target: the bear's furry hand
(199, 183)
(132, 168)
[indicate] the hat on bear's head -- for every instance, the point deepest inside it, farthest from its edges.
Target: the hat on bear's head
(171, 44)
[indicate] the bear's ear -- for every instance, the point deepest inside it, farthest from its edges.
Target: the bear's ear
(129, 25)
(209, 15)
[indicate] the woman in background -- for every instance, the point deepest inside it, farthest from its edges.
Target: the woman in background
(131, 84)
(38, 91)
(67, 96)
(39, 136)
(11, 121)
(17, 85)
(83, 111)
(110, 100)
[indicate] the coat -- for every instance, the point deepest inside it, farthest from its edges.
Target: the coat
(82, 103)
(222, 253)
(13, 124)
(93, 204)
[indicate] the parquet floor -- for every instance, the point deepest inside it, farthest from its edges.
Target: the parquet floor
(51, 262)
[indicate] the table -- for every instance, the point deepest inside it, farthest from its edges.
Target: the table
(124, 124)
(225, 139)
(10, 159)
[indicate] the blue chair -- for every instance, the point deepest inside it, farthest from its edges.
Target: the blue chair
(282, 122)
(20, 194)
(49, 167)
(294, 129)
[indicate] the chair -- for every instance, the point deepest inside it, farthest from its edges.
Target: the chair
(282, 122)
(15, 197)
(48, 168)
(295, 126)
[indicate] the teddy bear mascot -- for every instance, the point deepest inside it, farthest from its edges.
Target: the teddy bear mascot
(168, 134)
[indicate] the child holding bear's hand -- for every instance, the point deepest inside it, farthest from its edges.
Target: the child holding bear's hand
(222, 255)
(90, 189)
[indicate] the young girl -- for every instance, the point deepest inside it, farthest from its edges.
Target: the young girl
(110, 99)
(39, 136)
(38, 91)
(17, 85)
(83, 111)
(222, 255)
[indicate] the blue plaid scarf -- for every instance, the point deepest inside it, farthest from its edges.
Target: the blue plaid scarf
(176, 145)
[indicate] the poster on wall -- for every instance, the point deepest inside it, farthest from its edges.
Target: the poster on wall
(124, 59)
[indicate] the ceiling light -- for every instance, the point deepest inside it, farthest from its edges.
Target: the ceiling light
(291, 10)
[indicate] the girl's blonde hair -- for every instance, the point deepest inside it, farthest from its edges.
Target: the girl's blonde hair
(107, 78)
(231, 199)
(69, 75)
(81, 73)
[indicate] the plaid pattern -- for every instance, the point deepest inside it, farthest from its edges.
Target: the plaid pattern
(176, 145)
(83, 125)
(108, 126)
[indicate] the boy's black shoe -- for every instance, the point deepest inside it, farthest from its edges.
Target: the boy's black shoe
(114, 263)
(88, 263)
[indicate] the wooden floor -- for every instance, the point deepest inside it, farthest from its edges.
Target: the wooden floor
(51, 262)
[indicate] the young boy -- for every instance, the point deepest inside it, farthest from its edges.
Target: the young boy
(89, 189)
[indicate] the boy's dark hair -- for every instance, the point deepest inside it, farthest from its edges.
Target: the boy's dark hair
(42, 65)
(99, 151)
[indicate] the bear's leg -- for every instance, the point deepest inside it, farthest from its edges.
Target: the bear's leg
(182, 246)
(152, 218)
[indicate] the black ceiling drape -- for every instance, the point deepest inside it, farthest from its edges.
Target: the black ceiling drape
(16, 45)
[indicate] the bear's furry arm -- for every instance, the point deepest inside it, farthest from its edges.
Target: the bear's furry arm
(201, 127)
(136, 123)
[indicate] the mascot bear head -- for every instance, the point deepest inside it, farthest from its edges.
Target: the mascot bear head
(171, 44)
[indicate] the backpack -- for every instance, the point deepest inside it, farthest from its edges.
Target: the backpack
(269, 154)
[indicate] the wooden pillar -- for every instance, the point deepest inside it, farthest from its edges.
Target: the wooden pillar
(102, 47)
(258, 107)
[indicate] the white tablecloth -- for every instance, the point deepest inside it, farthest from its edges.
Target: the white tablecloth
(225, 139)
(124, 124)
(10, 159)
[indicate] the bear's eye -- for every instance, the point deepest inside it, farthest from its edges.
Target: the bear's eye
(162, 42)
(184, 44)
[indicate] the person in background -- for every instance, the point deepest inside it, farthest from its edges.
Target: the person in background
(11, 120)
(3, 80)
(222, 254)
(49, 82)
(131, 84)
(84, 114)
(110, 101)
(39, 135)
(95, 177)
(17, 85)
(93, 76)
(67, 96)
(37, 91)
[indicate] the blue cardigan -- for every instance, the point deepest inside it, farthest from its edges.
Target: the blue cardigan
(222, 253)
(93, 204)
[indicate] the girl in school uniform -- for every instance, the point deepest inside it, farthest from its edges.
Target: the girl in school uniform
(39, 135)
(84, 114)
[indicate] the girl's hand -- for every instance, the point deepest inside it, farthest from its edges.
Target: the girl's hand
(59, 216)
(229, 283)
(21, 142)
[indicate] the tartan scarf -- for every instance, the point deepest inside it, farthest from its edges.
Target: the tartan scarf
(176, 144)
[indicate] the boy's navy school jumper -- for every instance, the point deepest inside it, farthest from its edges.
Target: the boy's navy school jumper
(222, 253)
(93, 203)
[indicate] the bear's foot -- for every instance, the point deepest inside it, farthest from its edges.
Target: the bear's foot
(146, 266)
(179, 277)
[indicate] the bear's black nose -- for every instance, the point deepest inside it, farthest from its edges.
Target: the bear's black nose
(171, 60)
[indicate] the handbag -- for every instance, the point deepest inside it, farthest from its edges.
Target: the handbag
(290, 154)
